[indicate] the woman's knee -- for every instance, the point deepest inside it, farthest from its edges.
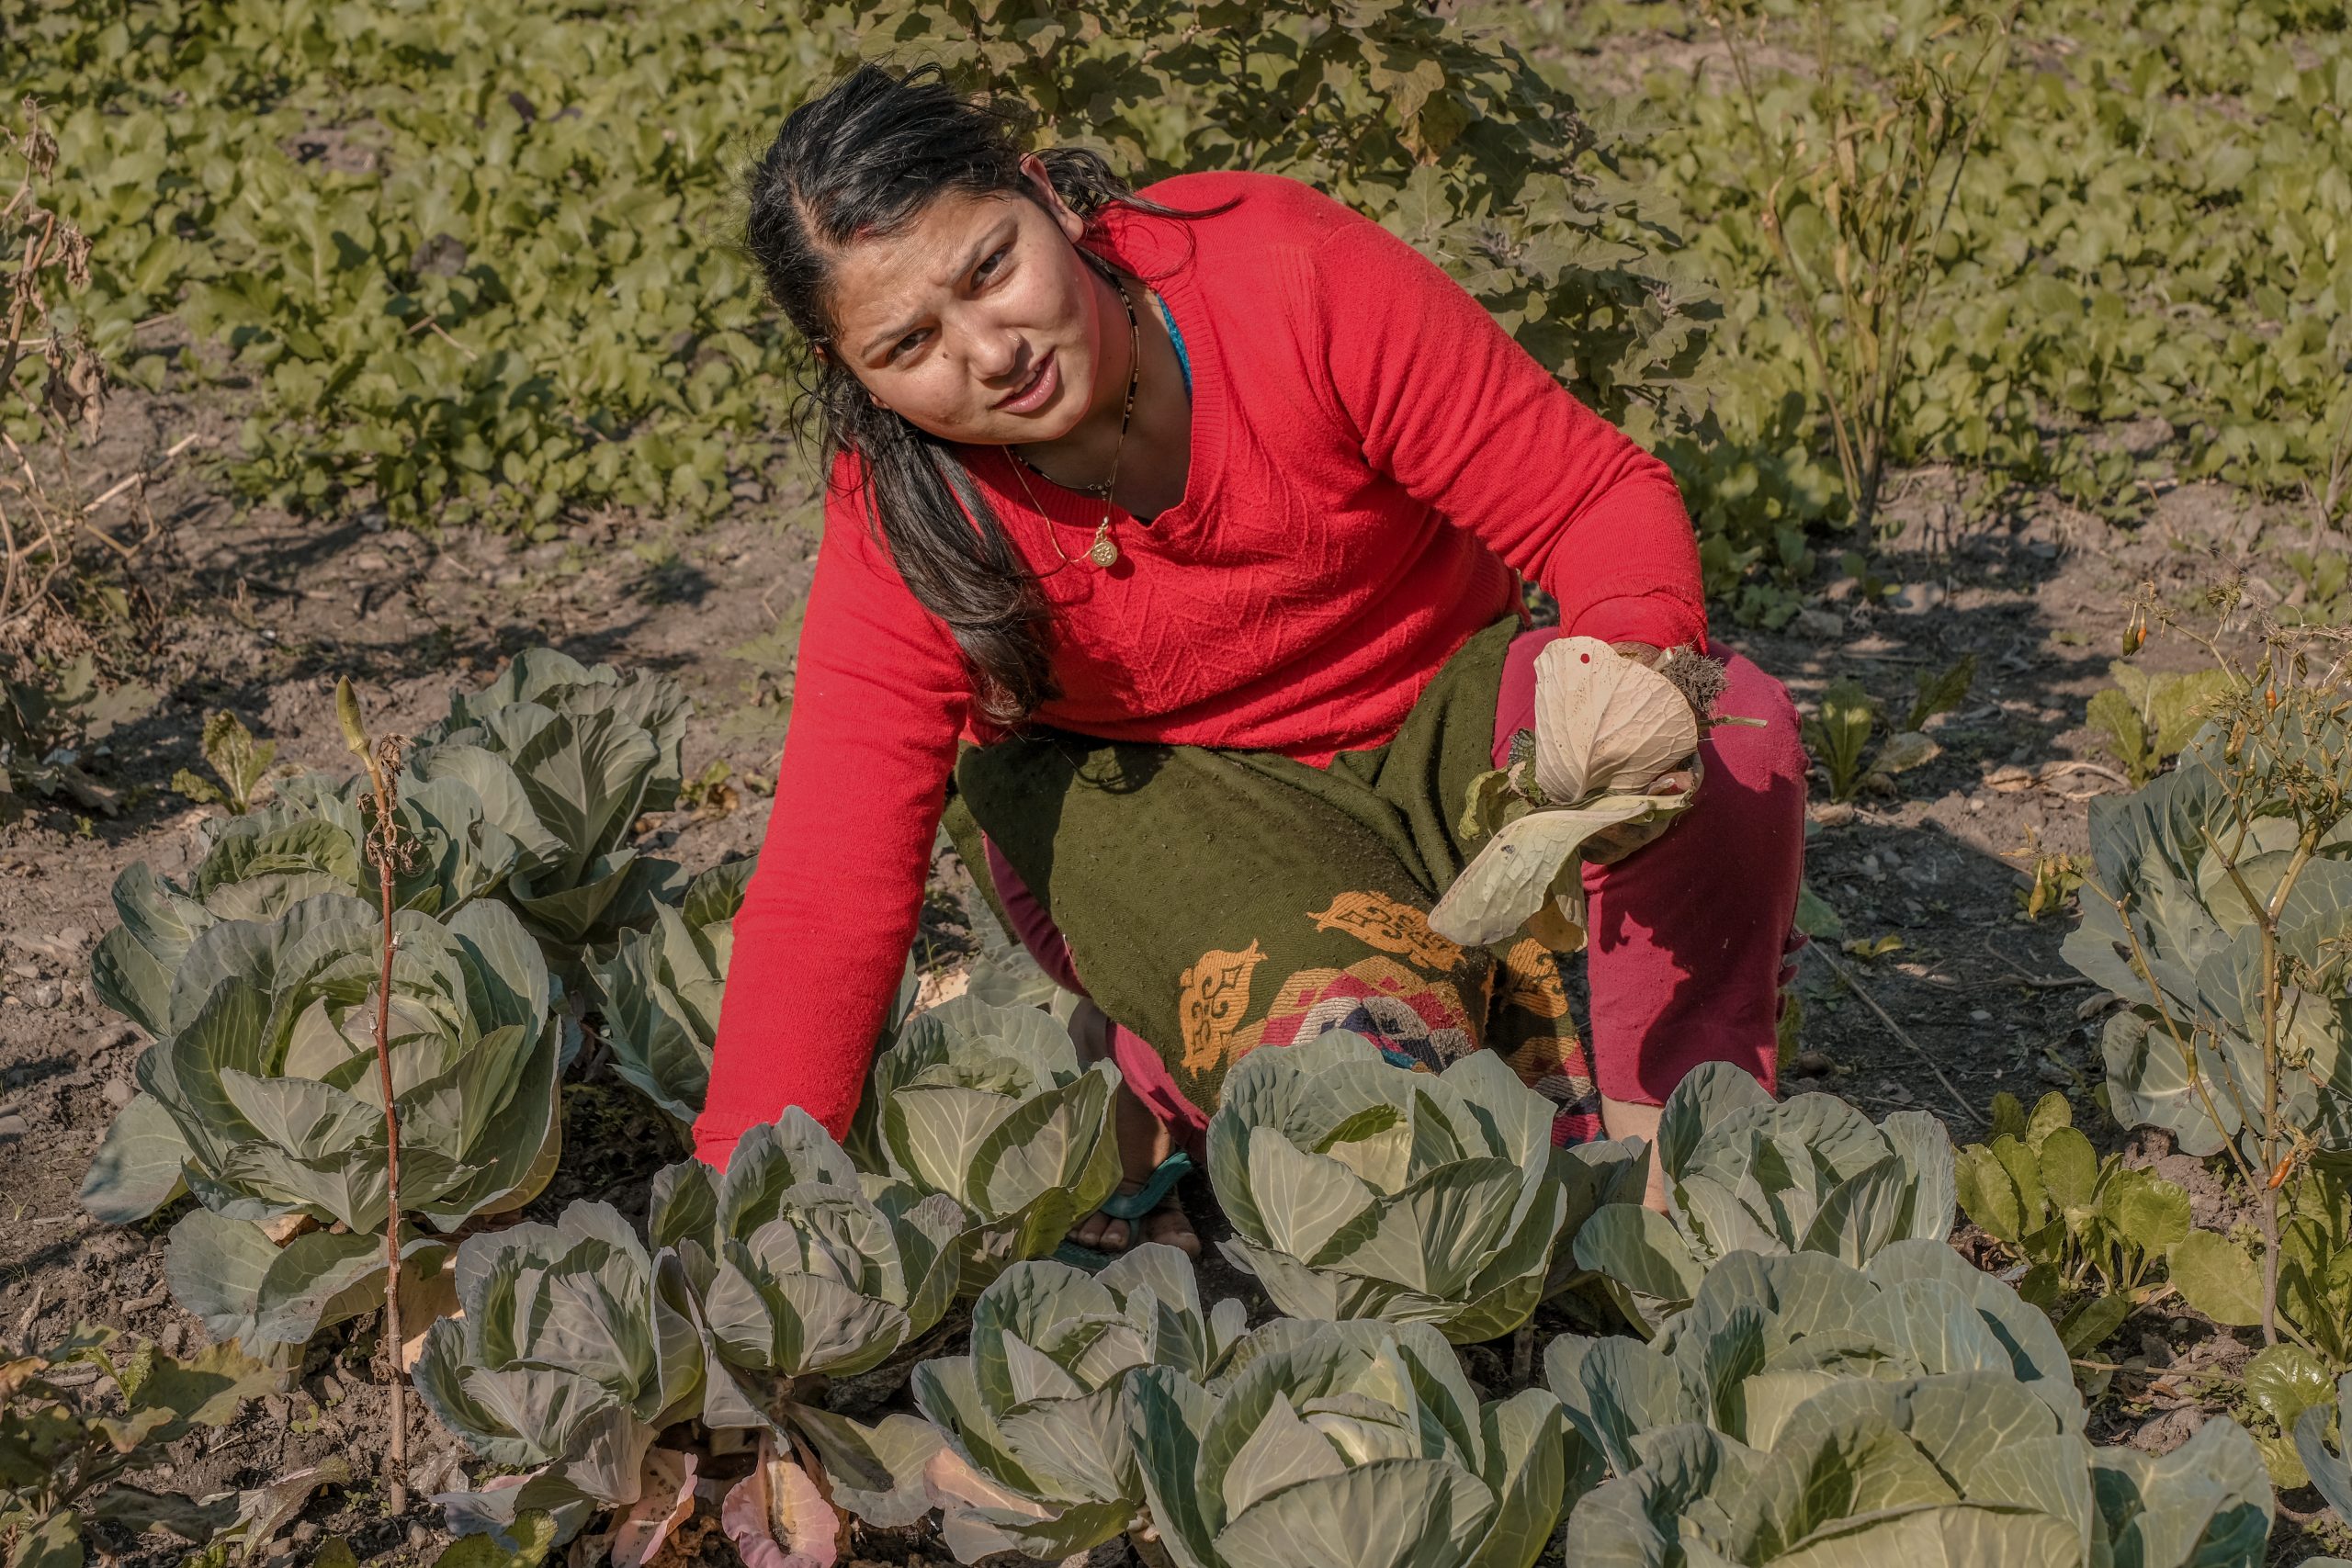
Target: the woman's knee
(1766, 760)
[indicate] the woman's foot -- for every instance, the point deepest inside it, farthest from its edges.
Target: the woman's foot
(1144, 1141)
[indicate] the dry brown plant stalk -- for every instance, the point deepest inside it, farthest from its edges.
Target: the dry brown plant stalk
(1899, 132)
(390, 855)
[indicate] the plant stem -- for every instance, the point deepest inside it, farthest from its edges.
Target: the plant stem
(383, 848)
(393, 1340)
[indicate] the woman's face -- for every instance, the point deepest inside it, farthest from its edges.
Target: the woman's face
(983, 300)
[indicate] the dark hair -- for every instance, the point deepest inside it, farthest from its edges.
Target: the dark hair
(868, 155)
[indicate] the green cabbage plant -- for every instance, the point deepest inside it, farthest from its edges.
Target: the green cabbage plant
(564, 757)
(2180, 857)
(1960, 1468)
(1747, 1173)
(803, 1272)
(989, 1106)
(264, 1098)
(1361, 1189)
(804, 1269)
(1040, 1461)
(1359, 1443)
(659, 991)
(1766, 1334)
(258, 865)
(572, 1348)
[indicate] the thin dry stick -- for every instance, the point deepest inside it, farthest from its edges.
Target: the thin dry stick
(182, 445)
(382, 848)
(2026, 976)
(1854, 984)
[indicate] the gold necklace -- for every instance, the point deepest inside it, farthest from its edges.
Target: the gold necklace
(1104, 551)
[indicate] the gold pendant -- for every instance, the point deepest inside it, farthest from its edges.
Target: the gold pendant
(1103, 552)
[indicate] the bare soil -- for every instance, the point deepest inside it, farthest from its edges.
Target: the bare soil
(260, 612)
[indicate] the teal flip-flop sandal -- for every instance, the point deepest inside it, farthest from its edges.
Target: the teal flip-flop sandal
(1131, 1207)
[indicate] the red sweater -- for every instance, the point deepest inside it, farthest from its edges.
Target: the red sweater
(1372, 458)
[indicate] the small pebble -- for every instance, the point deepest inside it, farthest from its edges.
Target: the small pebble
(2054, 1075)
(306, 1531)
(45, 995)
(419, 1537)
(1976, 1015)
(1811, 1064)
(118, 1093)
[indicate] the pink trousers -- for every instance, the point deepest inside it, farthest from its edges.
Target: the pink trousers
(1692, 935)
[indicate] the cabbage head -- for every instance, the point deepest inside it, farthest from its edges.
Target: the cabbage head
(564, 757)
(1358, 1443)
(1041, 1462)
(1361, 1189)
(989, 1106)
(2188, 917)
(1965, 1467)
(659, 991)
(1768, 1333)
(574, 1348)
(272, 1081)
(804, 1269)
(1745, 1173)
(255, 867)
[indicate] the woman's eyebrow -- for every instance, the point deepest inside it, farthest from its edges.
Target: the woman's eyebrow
(979, 253)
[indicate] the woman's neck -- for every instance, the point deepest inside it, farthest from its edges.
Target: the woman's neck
(1152, 469)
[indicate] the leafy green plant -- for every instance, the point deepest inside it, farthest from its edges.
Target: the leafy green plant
(2220, 897)
(240, 763)
(661, 989)
(2055, 878)
(2225, 1279)
(572, 1348)
(2281, 1382)
(989, 1106)
(1039, 1459)
(1854, 217)
(1746, 1173)
(2093, 1233)
(1837, 734)
(1764, 1335)
(2146, 718)
(262, 1098)
(564, 757)
(1361, 1189)
(1963, 1467)
(1363, 1437)
(64, 1456)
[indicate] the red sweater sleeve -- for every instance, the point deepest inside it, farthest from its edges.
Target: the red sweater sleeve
(1468, 421)
(879, 696)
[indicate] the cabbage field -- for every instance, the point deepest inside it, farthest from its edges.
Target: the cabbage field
(403, 554)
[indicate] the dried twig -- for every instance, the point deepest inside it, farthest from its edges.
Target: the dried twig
(176, 447)
(2027, 977)
(381, 759)
(1854, 984)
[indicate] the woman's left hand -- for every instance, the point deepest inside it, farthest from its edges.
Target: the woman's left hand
(1612, 844)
